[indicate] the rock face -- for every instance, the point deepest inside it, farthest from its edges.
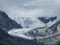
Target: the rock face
(46, 20)
(6, 23)
(5, 37)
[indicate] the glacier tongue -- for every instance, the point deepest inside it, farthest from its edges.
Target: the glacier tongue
(20, 33)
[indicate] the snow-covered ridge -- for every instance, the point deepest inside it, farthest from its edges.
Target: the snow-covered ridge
(28, 22)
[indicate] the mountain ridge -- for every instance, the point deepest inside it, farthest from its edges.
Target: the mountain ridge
(6, 23)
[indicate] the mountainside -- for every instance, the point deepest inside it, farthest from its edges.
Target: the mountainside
(38, 35)
(6, 23)
(7, 39)
(44, 35)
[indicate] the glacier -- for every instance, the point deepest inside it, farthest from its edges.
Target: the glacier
(40, 35)
(47, 34)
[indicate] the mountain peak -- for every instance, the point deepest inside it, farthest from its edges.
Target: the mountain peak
(3, 14)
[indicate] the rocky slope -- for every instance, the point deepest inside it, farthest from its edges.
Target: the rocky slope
(6, 23)
(13, 40)
(5, 37)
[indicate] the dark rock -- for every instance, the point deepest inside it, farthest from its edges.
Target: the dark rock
(6, 23)
(53, 18)
(5, 37)
(43, 19)
(46, 20)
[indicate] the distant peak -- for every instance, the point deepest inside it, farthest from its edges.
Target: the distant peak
(47, 19)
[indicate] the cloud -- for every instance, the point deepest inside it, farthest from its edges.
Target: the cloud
(31, 8)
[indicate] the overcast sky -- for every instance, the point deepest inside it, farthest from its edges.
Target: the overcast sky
(30, 8)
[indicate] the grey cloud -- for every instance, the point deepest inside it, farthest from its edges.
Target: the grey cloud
(31, 7)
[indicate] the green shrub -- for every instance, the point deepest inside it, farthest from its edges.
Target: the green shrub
(4, 43)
